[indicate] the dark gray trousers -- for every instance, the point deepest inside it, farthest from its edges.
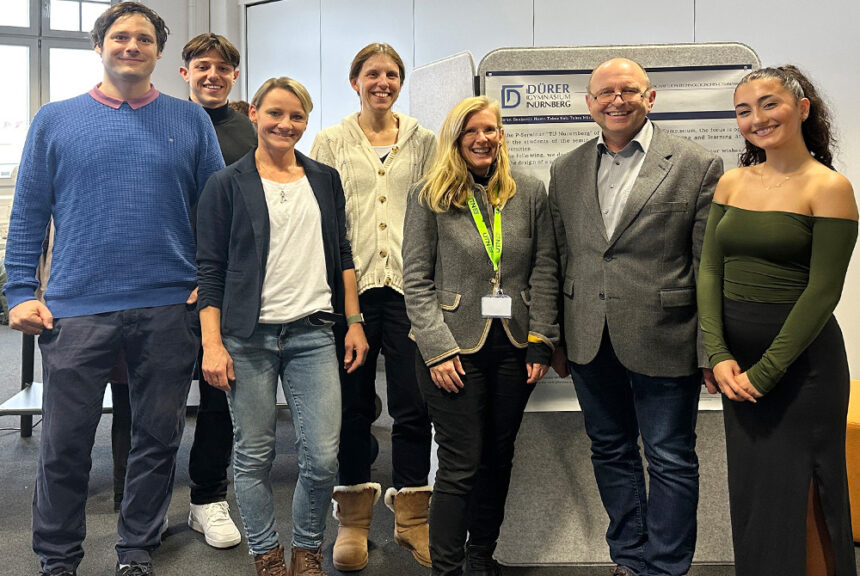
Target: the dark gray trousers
(160, 346)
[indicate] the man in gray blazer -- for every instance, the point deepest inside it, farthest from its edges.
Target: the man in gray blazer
(629, 210)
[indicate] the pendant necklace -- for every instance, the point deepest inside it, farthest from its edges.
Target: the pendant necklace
(778, 184)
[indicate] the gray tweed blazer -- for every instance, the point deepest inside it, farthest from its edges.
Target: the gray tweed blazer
(641, 283)
(446, 272)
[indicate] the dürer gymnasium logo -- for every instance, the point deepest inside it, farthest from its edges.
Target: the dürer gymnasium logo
(540, 95)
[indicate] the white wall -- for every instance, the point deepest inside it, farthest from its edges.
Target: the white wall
(819, 37)
(186, 19)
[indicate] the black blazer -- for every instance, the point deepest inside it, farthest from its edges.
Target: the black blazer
(233, 240)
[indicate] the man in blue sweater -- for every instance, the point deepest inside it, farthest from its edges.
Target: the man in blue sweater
(119, 170)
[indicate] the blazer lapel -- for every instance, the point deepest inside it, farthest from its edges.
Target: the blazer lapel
(654, 169)
(589, 198)
(249, 184)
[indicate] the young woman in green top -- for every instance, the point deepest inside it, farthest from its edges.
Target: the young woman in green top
(777, 246)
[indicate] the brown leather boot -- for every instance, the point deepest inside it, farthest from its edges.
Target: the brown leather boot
(411, 507)
(271, 563)
(304, 562)
(353, 508)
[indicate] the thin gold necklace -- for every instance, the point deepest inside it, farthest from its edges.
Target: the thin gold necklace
(777, 185)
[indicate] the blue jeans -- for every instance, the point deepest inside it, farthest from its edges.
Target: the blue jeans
(302, 354)
(651, 533)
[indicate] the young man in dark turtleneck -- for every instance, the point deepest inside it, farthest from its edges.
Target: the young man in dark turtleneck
(211, 68)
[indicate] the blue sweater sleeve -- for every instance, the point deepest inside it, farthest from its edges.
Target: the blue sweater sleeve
(31, 212)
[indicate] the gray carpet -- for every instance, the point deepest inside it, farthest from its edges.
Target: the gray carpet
(553, 516)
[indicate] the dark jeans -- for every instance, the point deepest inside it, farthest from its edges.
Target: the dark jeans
(77, 357)
(651, 533)
(210, 451)
(476, 429)
(213, 444)
(387, 330)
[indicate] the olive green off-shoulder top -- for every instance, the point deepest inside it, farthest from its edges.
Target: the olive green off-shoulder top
(773, 257)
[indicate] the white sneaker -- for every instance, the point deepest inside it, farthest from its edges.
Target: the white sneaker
(214, 522)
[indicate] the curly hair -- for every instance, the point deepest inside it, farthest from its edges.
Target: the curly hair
(816, 129)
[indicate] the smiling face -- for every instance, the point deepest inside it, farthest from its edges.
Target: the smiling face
(378, 83)
(769, 116)
(480, 140)
(280, 120)
(129, 51)
(619, 120)
(210, 79)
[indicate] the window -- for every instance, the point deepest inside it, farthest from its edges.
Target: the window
(48, 56)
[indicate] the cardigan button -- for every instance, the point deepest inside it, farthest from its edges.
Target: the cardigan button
(383, 225)
(382, 199)
(383, 253)
(381, 172)
(388, 281)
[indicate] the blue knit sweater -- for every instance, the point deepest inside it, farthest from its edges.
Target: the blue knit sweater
(121, 186)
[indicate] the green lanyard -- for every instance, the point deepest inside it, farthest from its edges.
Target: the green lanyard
(494, 247)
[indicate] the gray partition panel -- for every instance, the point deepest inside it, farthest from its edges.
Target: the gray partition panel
(587, 57)
(436, 87)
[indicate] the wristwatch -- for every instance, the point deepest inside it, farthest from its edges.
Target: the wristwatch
(355, 319)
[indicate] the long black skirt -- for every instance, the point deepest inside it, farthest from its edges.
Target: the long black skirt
(793, 435)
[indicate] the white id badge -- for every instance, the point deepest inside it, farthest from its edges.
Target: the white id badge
(496, 306)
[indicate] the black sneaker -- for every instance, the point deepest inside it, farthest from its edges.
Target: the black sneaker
(134, 569)
(60, 573)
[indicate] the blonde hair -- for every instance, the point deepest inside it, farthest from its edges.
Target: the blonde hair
(447, 182)
(287, 84)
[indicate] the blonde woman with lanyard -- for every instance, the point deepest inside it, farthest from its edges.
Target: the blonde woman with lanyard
(480, 280)
(380, 154)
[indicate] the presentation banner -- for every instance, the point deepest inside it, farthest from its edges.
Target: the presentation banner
(545, 115)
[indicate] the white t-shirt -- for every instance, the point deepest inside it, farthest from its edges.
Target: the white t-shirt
(295, 283)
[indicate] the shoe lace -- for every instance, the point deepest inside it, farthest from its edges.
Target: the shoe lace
(218, 513)
(312, 563)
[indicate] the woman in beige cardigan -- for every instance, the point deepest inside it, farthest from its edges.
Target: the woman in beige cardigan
(380, 154)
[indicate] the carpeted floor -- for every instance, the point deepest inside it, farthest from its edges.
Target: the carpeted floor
(554, 519)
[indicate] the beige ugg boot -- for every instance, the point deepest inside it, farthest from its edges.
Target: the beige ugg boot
(353, 509)
(271, 563)
(411, 507)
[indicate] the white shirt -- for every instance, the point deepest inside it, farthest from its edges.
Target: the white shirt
(295, 282)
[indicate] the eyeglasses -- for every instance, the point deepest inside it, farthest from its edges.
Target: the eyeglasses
(627, 95)
(472, 133)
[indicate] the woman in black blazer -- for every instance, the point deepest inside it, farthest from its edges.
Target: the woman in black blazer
(276, 277)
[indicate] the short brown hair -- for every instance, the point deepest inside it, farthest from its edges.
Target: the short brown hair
(239, 106)
(287, 84)
(117, 11)
(372, 50)
(203, 43)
